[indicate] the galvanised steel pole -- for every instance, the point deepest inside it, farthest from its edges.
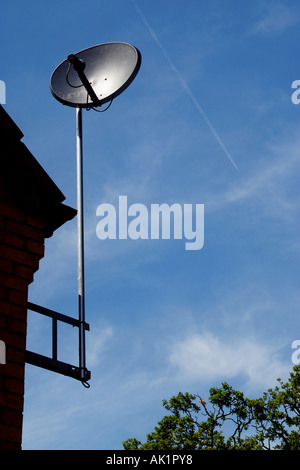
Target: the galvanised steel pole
(80, 241)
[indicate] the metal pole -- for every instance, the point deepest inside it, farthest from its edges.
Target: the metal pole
(80, 240)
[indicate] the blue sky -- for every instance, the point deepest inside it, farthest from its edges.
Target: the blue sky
(208, 120)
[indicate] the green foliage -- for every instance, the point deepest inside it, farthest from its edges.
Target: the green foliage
(269, 422)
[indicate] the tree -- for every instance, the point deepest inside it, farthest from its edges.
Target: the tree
(269, 422)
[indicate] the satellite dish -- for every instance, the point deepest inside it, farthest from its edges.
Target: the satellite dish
(96, 75)
(88, 79)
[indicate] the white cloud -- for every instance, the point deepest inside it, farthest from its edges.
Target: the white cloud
(268, 187)
(98, 341)
(207, 358)
(276, 20)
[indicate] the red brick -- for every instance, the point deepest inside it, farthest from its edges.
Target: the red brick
(12, 340)
(8, 445)
(13, 370)
(17, 326)
(2, 321)
(14, 385)
(22, 237)
(11, 212)
(19, 256)
(35, 221)
(10, 433)
(11, 239)
(17, 311)
(17, 356)
(25, 230)
(3, 293)
(25, 272)
(11, 400)
(35, 247)
(6, 265)
(17, 297)
(13, 282)
(12, 417)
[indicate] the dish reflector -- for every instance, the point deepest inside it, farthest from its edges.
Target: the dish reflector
(96, 75)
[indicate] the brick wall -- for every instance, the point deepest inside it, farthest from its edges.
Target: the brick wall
(21, 248)
(31, 209)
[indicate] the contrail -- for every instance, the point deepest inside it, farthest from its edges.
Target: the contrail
(184, 85)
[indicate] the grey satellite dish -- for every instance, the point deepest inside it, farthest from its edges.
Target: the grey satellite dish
(96, 75)
(88, 79)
